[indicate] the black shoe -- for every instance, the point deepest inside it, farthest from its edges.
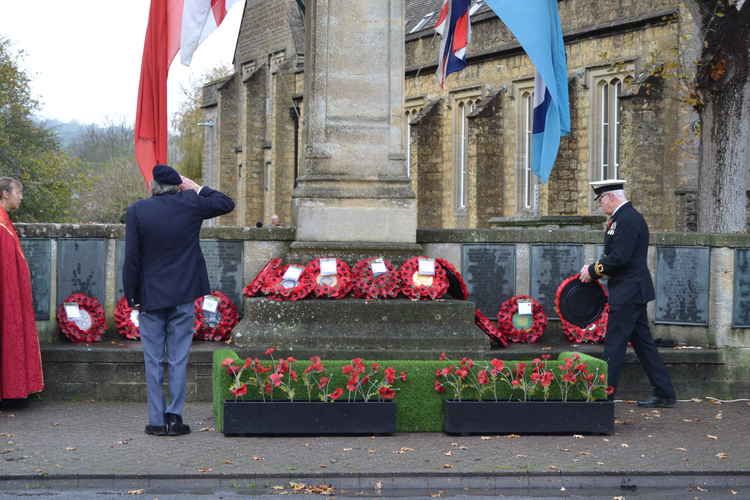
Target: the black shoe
(175, 427)
(657, 402)
(156, 430)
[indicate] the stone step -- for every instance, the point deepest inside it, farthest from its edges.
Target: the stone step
(352, 324)
(114, 372)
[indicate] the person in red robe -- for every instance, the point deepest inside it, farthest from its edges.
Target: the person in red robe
(20, 358)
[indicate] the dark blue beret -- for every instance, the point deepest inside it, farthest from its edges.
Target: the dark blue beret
(164, 174)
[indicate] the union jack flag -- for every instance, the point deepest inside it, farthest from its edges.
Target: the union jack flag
(454, 28)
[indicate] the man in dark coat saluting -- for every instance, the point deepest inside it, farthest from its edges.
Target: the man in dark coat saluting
(164, 273)
(630, 289)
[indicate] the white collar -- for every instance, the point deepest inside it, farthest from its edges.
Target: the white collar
(618, 208)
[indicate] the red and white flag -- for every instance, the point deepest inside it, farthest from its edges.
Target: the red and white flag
(172, 25)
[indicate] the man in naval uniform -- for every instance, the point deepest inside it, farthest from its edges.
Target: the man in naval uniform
(630, 288)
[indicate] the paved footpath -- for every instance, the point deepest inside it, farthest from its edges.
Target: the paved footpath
(699, 445)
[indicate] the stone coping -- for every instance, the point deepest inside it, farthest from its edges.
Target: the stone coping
(553, 236)
(117, 231)
(457, 236)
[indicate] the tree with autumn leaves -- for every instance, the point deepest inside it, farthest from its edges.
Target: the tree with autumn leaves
(720, 56)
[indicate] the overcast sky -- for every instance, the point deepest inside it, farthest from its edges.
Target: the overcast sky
(84, 56)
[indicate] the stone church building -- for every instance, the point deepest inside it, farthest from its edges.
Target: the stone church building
(468, 144)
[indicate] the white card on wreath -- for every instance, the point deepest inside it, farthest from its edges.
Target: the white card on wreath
(378, 267)
(328, 267)
(210, 303)
(72, 310)
(427, 267)
(524, 307)
(292, 273)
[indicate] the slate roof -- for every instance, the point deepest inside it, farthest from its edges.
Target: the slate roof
(418, 9)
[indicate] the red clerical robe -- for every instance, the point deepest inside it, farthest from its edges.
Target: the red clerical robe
(20, 359)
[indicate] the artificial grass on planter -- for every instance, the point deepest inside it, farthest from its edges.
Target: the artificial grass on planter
(419, 406)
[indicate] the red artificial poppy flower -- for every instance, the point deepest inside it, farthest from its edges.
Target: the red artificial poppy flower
(227, 361)
(442, 356)
(269, 351)
(240, 391)
(336, 394)
(439, 387)
(387, 393)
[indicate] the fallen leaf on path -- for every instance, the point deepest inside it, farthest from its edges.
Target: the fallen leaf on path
(512, 436)
(206, 429)
(372, 451)
(323, 466)
(696, 400)
(448, 453)
(228, 462)
(722, 455)
(578, 436)
(681, 449)
(552, 467)
(378, 485)
(522, 456)
(346, 449)
(733, 492)
(447, 466)
(70, 448)
(699, 488)
(710, 436)
(403, 450)
(462, 447)
(719, 416)
(258, 459)
(205, 469)
(136, 492)
(277, 487)
(625, 445)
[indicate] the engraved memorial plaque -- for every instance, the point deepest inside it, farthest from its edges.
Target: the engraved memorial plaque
(741, 312)
(490, 274)
(225, 266)
(550, 266)
(682, 282)
(38, 253)
(81, 268)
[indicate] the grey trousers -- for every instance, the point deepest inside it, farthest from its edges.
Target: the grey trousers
(166, 334)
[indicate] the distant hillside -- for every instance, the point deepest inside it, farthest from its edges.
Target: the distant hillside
(67, 132)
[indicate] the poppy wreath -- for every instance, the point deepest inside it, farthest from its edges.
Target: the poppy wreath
(456, 285)
(505, 320)
(126, 325)
(254, 287)
(413, 287)
(369, 286)
(91, 324)
(484, 323)
(276, 289)
(594, 332)
(332, 287)
(206, 327)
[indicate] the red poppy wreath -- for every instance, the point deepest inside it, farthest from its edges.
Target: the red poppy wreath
(327, 284)
(214, 321)
(81, 318)
(254, 287)
(484, 323)
(279, 286)
(419, 286)
(127, 320)
(456, 285)
(521, 327)
(375, 278)
(596, 329)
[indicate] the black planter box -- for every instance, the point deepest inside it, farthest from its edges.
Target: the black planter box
(303, 418)
(528, 417)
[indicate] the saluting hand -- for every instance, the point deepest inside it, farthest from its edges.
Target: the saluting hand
(188, 184)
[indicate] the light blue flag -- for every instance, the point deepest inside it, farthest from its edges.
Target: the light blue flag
(536, 25)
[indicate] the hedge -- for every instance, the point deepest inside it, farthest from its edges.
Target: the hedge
(419, 405)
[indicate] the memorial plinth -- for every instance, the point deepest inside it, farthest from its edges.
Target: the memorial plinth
(341, 329)
(353, 184)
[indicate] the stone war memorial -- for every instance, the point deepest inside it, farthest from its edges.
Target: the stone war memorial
(353, 197)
